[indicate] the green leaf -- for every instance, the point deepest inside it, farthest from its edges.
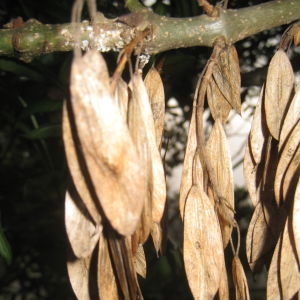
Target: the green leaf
(5, 249)
(42, 106)
(44, 132)
(20, 69)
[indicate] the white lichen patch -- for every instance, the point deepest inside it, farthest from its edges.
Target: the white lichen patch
(84, 44)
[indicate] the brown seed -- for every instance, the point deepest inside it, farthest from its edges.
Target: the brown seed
(227, 76)
(156, 174)
(106, 279)
(202, 237)
(286, 158)
(239, 280)
(219, 159)
(115, 170)
(279, 85)
(82, 233)
(156, 94)
(75, 159)
(78, 271)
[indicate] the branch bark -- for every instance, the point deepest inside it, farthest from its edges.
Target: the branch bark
(34, 38)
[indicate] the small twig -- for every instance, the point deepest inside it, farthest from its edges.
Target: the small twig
(125, 55)
(209, 9)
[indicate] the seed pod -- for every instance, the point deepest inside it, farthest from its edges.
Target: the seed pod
(106, 280)
(218, 104)
(259, 131)
(114, 168)
(140, 261)
(156, 94)
(202, 237)
(227, 76)
(286, 158)
(250, 175)
(75, 160)
(82, 233)
(239, 280)
(156, 175)
(279, 85)
(263, 231)
(296, 220)
(78, 271)
(219, 159)
(291, 118)
(188, 164)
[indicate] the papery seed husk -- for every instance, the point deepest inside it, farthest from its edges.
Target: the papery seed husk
(273, 281)
(227, 76)
(218, 154)
(144, 227)
(138, 131)
(219, 106)
(140, 262)
(82, 233)
(291, 118)
(156, 94)
(223, 291)
(115, 170)
(279, 85)
(157, 236)
(106, 280)
(259, 131)
(239, 280)
(202, 269)
(285, 159)
(263, 231)
(188, 164)
(76, 164)
(123, 265)
(121, 95)
(291, 176)
(78, 271)
(296, 220)
(250, 175)
(289, 264)
(157, 176)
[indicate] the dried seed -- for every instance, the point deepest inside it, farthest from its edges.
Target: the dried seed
(259, 131)
(113, 164)
(155, 90)
(291, 176)
(156, 175)
(239, 280)
(291, 119)
(78, 271)
(296, 220)
(121, 95)
(75, 162)
(218, 154)
(82, 233)
(106, 280)
(273, 282)
(289, 265)
(227, 76)
(250, 175)
(140, 261)
(279, 85)
(263, 231)
(218, 105)
(285, 159)
(188, 164)
(202, 269)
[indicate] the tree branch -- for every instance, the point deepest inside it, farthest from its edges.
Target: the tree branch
(35, 38)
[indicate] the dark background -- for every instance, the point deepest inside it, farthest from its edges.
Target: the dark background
(33, 172)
